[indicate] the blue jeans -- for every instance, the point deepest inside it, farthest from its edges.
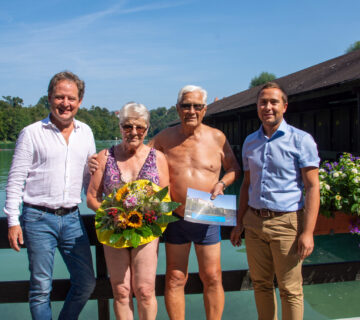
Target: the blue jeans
(43, 233)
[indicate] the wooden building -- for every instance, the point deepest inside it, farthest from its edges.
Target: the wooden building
(324, 100)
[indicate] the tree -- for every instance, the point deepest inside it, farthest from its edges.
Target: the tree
(43, 101)
(262, 78)
(14, 101)
(160, 118)
(353, 47)
(104, 123)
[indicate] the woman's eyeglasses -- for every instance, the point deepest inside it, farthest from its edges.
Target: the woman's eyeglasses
(187, 106)
(129, 127)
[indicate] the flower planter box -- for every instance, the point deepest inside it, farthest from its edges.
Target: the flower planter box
(340, 223)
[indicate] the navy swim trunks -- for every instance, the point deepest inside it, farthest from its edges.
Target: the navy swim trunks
(182, 231)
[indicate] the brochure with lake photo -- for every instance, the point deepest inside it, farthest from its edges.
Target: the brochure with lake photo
(200, 208)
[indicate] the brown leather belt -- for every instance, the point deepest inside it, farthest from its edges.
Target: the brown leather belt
(58, 212)
(266, 213)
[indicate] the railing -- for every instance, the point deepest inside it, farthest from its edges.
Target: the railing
(234, 280)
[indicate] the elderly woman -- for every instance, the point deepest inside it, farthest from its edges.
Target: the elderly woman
(132, 270)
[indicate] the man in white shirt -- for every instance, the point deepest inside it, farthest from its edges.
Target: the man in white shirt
(50, 159)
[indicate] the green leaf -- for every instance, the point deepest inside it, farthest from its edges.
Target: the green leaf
(162, 193)
(127, 233)
(135, 239)
(164, 207)
(98, 225)
(98, 218)
(100, 213)
(354, 207)
(156, 230)
(166, 219)
(145, 231)
(115, 237)
(104, 228)
(326, 213)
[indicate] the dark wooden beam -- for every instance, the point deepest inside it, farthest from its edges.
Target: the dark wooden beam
(233, 280)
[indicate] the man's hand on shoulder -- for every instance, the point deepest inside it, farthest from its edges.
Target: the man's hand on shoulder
(93, 164)
(15, 236)
(305, 245)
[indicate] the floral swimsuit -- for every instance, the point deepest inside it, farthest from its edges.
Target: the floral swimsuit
(112, 174)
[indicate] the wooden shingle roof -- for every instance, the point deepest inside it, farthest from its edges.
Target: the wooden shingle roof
(345, 68)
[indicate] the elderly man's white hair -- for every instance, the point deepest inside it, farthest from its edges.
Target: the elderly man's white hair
(191, 88)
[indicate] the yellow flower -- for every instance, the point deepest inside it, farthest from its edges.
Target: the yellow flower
(120, 193)
(149, 190)
(121, 220)
(135, 219)
(338, 197)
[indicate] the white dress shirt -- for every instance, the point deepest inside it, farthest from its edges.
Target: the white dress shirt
(53, 171)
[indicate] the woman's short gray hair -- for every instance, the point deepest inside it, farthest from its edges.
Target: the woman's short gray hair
(134, 110)
(191, 88)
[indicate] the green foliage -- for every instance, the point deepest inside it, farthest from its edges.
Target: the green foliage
(156, 230)
(115, 237)
(162, 193)
(262, 78)
(167, 219)
(104, 123)
(353, 47)
(43, 101)
(160, 119)
(135, 238)
(339, 186)
(14, 101)
(14, 117)
(167, 207)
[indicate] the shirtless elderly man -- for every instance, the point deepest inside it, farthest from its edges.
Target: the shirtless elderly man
(195, 153)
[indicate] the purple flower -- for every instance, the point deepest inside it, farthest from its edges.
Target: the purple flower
(130, 201)
(355, 227)
(328, 165)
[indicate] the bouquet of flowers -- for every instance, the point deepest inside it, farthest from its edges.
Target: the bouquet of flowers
(135, 214)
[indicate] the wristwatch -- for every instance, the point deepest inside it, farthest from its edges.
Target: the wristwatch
(223, 183)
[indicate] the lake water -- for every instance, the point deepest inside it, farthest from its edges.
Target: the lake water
(324, 301)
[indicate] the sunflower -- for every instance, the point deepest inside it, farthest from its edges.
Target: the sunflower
(135, 219)
(121, 220)
(121, 192)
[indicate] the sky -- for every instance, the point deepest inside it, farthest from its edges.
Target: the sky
(146, 51)
(222, 201)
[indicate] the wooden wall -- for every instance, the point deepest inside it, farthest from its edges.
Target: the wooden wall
(332, 121)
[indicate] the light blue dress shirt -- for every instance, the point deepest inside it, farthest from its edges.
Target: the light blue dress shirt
(275, 167)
